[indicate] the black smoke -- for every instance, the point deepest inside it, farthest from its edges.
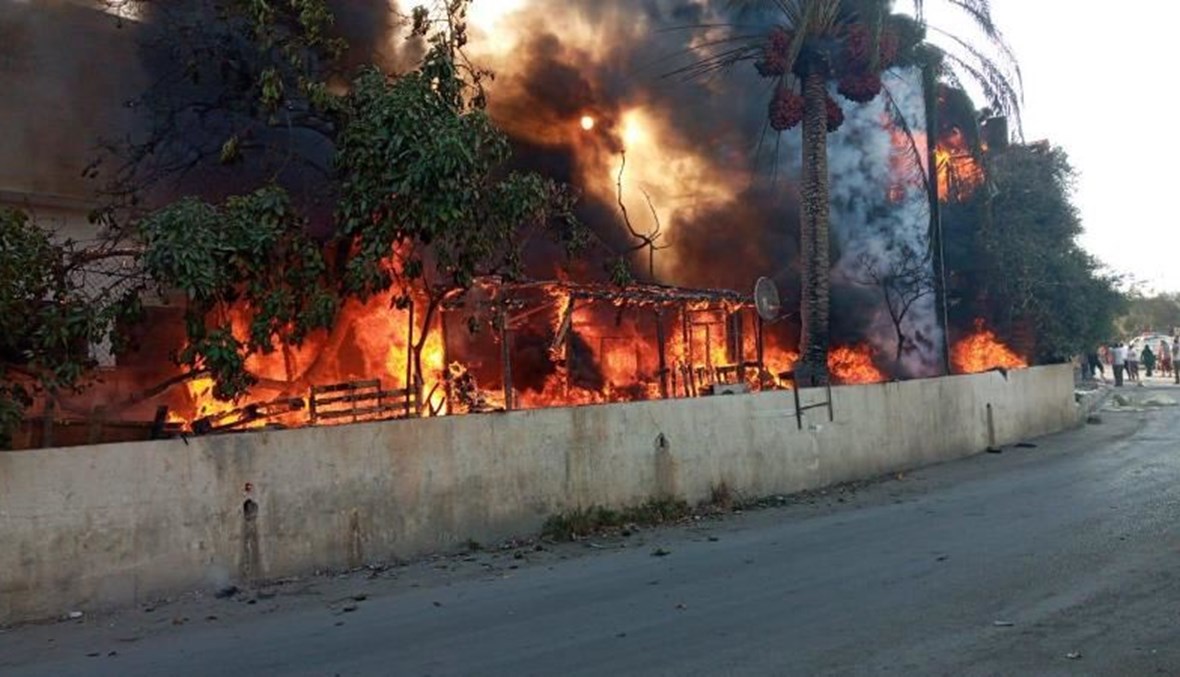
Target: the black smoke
(548, 82)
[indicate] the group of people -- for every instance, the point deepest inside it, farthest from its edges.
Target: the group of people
(1124, 361)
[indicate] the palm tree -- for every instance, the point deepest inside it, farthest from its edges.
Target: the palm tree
(813, 42)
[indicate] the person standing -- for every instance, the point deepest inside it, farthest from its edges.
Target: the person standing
(1118, 360)
(1176, 359)
(1094, 365)
(1165, 358)
(1147, 357)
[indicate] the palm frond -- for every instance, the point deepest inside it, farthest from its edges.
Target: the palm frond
(914, 157)
(995, 86)
(1001, 78)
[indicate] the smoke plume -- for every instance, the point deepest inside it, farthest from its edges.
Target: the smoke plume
(700, 161)
(578, 84)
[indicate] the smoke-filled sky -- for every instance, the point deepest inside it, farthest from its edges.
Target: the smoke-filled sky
(1099, 81)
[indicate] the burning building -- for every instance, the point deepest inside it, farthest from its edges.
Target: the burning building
(590, 104)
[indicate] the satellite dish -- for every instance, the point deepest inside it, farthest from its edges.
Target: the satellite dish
(766, 300)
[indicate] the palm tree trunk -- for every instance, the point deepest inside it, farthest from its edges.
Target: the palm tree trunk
(813, 236)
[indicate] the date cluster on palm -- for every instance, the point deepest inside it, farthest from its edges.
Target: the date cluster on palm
(848, 55)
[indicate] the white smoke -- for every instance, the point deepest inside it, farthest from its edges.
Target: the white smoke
(878, 212)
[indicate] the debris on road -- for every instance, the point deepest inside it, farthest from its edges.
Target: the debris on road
(1073, 655)
(660, 552)
(1003, 624)
(1159, 401)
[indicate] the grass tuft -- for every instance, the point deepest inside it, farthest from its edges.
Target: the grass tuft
(583, 522)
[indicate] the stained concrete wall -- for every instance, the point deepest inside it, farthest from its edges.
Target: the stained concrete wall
(93, 527)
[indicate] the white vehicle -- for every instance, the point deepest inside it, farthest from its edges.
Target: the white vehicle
(1135, 347)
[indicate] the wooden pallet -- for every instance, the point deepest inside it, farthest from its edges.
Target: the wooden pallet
(361, 400)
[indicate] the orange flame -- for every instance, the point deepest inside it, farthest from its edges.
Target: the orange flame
(600, 351)
(982, 351)
(959, 171)
(854, 365)
(368, 341)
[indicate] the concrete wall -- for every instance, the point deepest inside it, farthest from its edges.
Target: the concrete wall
(92, 527)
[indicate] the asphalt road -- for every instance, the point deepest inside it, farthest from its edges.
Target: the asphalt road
(1058, 559)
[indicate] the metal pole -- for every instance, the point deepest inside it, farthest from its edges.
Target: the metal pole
(735, 340)
(409, 356)
(446, 360)
(758, 339)
(930, 86)
(689, 390)
(662, 355)
(506, 358)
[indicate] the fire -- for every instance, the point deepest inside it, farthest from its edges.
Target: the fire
(201, 390)
(668, 179)
(488, 14)
(596, 353)
(959, 171)
(370, 340)
(854, 365)
(569, 345)
(848, 365)
(982, 351)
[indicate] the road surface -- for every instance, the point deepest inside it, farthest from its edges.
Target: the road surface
(1055, 559)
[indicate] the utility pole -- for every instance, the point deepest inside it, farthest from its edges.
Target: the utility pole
(930, 91)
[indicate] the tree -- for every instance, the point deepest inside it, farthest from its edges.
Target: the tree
(903, 280)
(413, 197)
(234, 85)
(252, 253)
(48, 317)
(422, 174)
(422, 205)
(1021, 263)
(1147, 313)
(811, 43)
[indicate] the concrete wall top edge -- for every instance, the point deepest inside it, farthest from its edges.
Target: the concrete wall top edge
(769, 401)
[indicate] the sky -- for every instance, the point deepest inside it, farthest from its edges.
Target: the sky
(1099, 82)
